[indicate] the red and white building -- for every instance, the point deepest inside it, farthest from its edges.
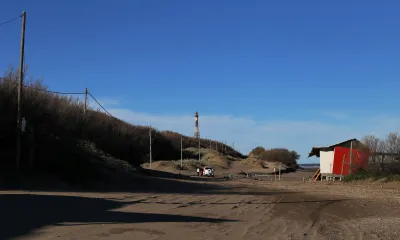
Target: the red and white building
(335, 160)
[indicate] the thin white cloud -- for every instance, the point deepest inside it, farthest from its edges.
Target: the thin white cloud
(247, 133)
(297, 127)
(106, 102)
(335, 114)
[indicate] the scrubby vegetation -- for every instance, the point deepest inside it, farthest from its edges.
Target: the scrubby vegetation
(60, 126)
(283, 155)
(372, 175)
(384, 162)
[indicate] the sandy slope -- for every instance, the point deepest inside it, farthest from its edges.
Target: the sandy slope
(222, 165)
(239, 209)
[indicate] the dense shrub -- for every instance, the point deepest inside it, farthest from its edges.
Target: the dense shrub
(282, 155)
(257, 152)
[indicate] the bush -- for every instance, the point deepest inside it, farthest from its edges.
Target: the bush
(373, 175)
(282, 155)
(257, 152)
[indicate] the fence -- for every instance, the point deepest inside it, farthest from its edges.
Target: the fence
(384, 163)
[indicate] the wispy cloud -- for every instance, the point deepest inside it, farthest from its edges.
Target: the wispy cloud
(335, 114)
(106, 102)
(247, 133)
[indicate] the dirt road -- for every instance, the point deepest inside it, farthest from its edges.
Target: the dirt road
(240, 209)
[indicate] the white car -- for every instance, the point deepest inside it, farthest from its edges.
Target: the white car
(208, 171)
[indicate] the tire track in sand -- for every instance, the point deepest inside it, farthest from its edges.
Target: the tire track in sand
(252, 217)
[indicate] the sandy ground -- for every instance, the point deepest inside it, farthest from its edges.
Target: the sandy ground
(213, 209)
(235, 168)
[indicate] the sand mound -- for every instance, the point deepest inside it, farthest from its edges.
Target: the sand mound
(207, 158)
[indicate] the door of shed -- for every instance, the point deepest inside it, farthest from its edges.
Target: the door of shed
(326, 162)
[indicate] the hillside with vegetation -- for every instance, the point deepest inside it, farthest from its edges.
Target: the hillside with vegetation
(60, 136)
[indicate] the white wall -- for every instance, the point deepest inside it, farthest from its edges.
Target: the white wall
(326, 161)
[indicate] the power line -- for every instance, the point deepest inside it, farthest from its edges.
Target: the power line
(9, 21)
(68, 93)
(100, 105)
(48, 91)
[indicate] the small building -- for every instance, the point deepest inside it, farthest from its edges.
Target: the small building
(335, 159)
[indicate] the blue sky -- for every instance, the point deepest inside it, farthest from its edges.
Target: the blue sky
(282, 73)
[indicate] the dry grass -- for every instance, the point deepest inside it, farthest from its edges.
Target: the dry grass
(208, 158)
(259, 163)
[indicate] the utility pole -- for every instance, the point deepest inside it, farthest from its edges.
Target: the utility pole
(84, 110)
(224, 147)
(351, 157)
(181, 153)
(199, 147)
(150, 146)
(196, 131)
(20, 84)
(280, 170)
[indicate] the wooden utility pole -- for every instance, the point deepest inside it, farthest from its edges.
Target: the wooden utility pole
(351, 157)
(181, 153)
(20, 84)
(86, 93)
(199, 147)
(280, 171)
(150, 146)
(343, 162)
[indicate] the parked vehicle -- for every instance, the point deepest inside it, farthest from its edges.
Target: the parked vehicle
(208, 171)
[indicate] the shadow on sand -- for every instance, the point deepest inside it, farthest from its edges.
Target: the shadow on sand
(156, 183)
(21, 214)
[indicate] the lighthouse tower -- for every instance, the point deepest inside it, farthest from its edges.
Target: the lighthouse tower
(196, 124)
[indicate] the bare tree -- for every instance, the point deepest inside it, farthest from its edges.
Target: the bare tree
(384, 152)
(374, 145)
(393, 143)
